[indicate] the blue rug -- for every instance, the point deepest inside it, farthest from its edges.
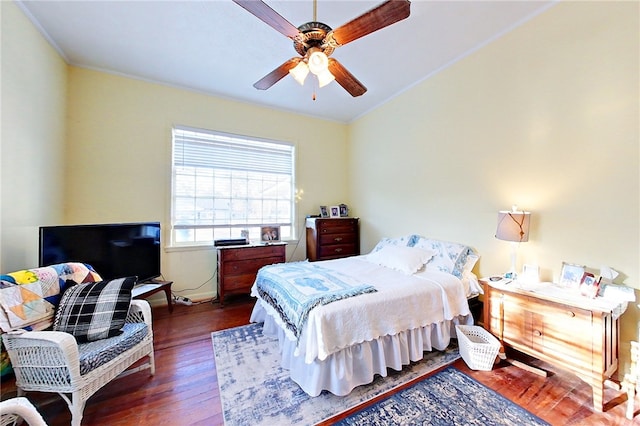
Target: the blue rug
(446, 398)
(255, 390)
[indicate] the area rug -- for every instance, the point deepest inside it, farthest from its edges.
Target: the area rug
(449, 397)
(255, 390)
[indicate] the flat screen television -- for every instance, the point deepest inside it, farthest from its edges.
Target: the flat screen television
(114, 250)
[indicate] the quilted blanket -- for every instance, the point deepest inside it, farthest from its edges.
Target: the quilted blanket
(294, 289)
(28, 297)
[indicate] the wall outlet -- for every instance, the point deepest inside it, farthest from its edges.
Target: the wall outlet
(181, 300)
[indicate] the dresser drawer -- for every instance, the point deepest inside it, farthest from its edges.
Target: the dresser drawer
(249, 266)
(338, 250)
(239, 283)
(252, 253)
(330, 239)
(339, 226)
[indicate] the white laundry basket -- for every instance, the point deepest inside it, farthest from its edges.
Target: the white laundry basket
(477, 346)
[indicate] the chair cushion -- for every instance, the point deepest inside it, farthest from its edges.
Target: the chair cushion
(94, 311)
(95, 354)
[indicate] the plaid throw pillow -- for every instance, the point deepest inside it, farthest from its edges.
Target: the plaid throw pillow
(94, 311)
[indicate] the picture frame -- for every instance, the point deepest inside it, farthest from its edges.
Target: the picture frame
(324, 212)
(344, 210)
(530, 274)
(571, 274)
(334, 211)
(589, 285)
(269, 234)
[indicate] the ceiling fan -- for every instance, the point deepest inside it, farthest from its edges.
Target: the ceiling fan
(316, 41)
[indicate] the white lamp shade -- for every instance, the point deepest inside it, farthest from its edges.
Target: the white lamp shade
(325, 78)
(318, 62)
(513, 226)
(299, 72)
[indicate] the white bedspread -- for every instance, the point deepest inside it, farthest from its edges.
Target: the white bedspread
(402, 302)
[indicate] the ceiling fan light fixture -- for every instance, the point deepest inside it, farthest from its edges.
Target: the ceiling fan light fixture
(325, 78)
(299, 72)
(318, 62)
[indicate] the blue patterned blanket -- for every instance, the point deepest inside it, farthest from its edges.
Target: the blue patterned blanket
(293, 289)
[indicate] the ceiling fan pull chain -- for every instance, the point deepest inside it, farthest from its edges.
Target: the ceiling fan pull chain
(315, 85)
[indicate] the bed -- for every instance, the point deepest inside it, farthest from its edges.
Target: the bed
(340, 322)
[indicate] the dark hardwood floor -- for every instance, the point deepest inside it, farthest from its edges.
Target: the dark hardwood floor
(184, 390)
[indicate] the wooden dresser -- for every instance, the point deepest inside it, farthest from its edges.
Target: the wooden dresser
(238, 265)
(332, 238)
(572, 332)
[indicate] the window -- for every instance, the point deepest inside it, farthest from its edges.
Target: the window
(223, 184)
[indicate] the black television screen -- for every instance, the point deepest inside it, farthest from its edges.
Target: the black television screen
(114, 250)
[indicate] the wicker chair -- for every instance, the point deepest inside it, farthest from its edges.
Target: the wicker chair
(49, 361)
(14, 410)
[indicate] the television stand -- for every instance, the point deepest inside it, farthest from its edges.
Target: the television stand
(147, 288)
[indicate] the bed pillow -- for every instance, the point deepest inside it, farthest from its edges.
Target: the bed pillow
(406, 241)
(94, 311)
(450, 257)
(408, 260)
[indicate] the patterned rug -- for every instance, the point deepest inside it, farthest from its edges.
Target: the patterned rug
(467, 402)
(255, 390)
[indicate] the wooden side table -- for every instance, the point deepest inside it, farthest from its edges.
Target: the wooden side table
(553, 324)
(238, 266)
(146, 289)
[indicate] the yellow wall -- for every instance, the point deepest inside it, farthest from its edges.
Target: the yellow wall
(546, 117)
(119, 139)
(32, 142)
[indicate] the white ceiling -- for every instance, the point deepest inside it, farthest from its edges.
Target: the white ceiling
(218, 48)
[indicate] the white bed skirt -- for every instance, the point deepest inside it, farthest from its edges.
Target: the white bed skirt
(357, 365)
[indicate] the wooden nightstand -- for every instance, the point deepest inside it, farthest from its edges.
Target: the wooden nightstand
(238, 265)
(558, 326)
(332, 238)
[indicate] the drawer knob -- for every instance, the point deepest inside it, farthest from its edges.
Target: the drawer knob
(537, 333)
(338, 250)
(337, 239)
(571, 314)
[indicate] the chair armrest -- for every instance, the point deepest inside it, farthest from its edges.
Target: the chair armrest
(11, 410)
(35, 354)
(140, 311)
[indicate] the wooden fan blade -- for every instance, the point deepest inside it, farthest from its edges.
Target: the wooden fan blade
(379, 17)
(346, 79)
(269, 16)
(276, 75)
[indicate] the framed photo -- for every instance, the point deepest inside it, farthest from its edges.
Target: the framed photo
(344, 210)
(588, 285)
(530, 274)
(324, 212)
(334, 211)
(571, 274)
(269, 234)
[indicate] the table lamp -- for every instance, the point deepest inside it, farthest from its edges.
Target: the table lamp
(513, 226)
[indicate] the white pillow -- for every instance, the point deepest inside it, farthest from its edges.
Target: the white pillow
(408, 260)
(406, 241)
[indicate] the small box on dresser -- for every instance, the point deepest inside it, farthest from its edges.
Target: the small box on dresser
(238, 266)
(332, 238)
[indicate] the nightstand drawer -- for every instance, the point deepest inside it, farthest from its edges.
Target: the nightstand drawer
(249, 266)
(251, 253)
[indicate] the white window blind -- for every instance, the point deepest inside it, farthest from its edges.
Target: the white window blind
(223, 183)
